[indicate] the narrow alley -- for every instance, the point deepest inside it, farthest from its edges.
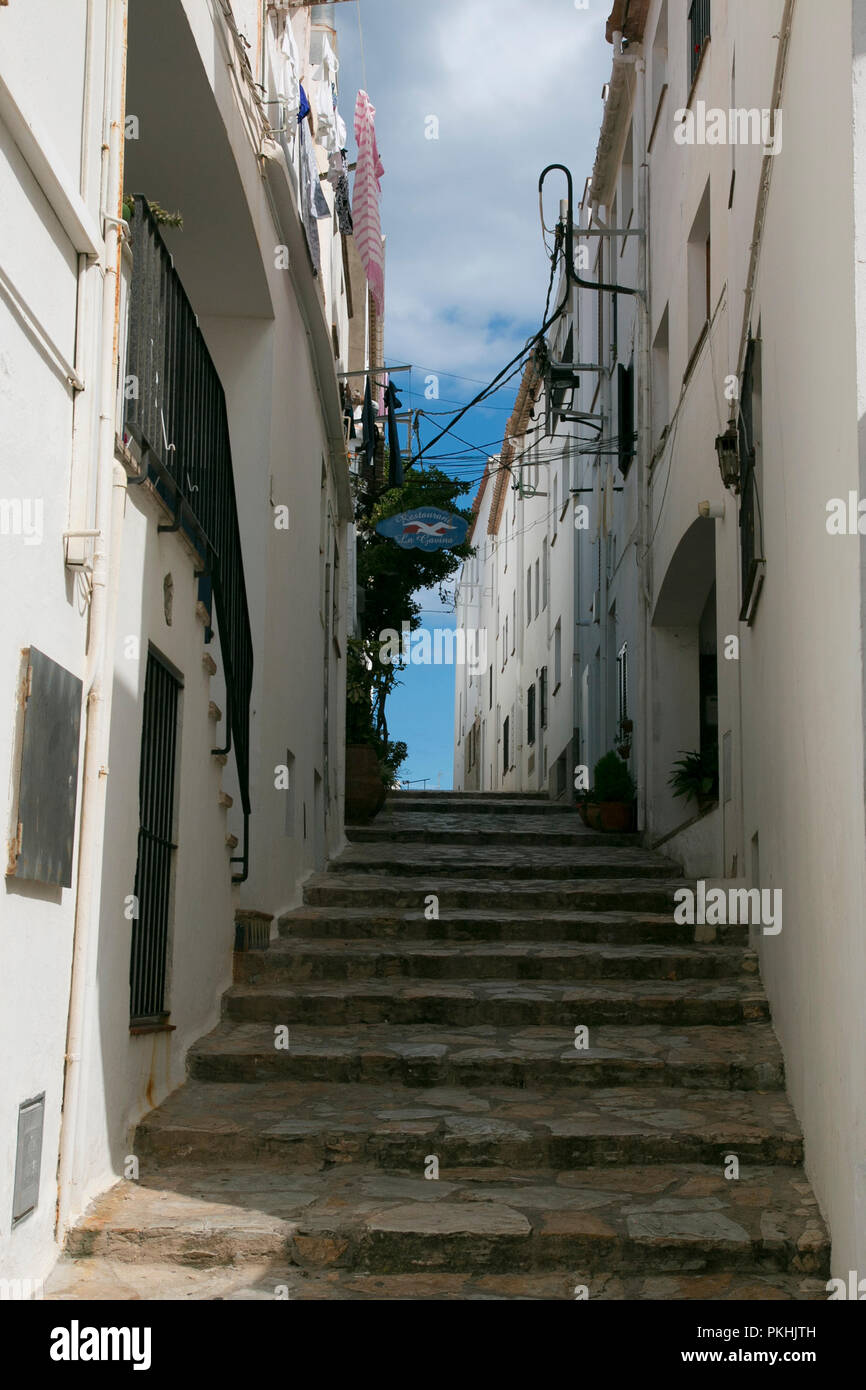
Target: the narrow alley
(432, 1127)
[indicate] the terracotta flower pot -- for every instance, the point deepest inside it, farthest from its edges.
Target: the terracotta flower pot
(616, 815)
(593, 815)
(365, 790)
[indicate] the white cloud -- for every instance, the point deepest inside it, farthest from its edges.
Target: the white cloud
(515, 86)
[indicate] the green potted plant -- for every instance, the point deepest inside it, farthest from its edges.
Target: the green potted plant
(613, 791)
(695, 776)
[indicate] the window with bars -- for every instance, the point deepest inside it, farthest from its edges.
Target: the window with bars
(751, 556)
(156, 846)
(699, 33)
(622, 685)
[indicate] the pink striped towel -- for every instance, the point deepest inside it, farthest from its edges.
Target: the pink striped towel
(365, 200)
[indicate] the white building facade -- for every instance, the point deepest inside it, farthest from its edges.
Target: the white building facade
(176, 532)
(699, 616)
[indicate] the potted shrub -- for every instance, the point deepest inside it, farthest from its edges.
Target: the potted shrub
(613, 791)
(696, 777)
(588, 809)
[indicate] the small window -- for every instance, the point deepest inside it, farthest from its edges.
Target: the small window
(506, 751)
(490, 686)
(537, 587)
(622, 685)
(545, 573)
(542, 698)
(557, 656)
(529, 596)
(530, 714)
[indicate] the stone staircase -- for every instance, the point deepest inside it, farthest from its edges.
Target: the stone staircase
(417, 1042)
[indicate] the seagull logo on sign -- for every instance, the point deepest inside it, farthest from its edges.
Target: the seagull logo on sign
(426, 528)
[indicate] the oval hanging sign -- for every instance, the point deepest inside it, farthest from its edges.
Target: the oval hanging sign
(425, 528)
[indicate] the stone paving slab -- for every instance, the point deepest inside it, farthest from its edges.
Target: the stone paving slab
(743, 1057)
(606, 925)
(295, 1123)
(501, 1220)
(103, 1279)
(506, 1003)
(290, 961)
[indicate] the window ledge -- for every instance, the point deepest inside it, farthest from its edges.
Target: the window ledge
(146, 1026)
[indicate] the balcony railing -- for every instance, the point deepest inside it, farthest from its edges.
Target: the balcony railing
(178, 419)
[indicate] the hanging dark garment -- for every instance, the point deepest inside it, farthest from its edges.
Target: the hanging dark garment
(368, 421)
(395, 458)
(308, 214)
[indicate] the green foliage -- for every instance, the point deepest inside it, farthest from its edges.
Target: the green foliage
(612, 780)
(388, 579)
(160, 215)
(695, 775)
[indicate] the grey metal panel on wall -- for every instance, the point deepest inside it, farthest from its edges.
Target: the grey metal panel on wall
(48, 782)
(28, 1157)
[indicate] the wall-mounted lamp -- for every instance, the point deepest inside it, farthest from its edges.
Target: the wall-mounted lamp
(728, 451)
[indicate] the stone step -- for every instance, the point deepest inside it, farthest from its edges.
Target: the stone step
(746, 1057)
(605, 925)
(101, 1279)
(500, 1003)
(627, 1221)
(468, 804)
(435, 797)
(295, 961)
(295, 1123)
(555, 831)
(538, 895)
(498, 862)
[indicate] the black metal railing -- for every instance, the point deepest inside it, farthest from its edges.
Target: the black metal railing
(699, 32)
(177, 415)
(156, 789)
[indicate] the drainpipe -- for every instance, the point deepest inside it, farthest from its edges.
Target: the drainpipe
(99, 670)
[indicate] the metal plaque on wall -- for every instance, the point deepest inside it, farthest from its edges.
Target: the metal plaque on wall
(28, 1157)
(48, 783)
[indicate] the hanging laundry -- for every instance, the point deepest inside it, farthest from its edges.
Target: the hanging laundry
(330, 126)
(395, 458)
(327, 70)
(368, 422)
(365, 200)
(338, 178)
(304, 106)
(309, 189)
(288, 72)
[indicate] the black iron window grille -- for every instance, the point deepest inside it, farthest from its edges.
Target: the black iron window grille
(699, 32)
(179, 421)
(156, 846)
(750, 547)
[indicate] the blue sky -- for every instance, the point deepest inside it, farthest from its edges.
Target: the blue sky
(513, 87)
